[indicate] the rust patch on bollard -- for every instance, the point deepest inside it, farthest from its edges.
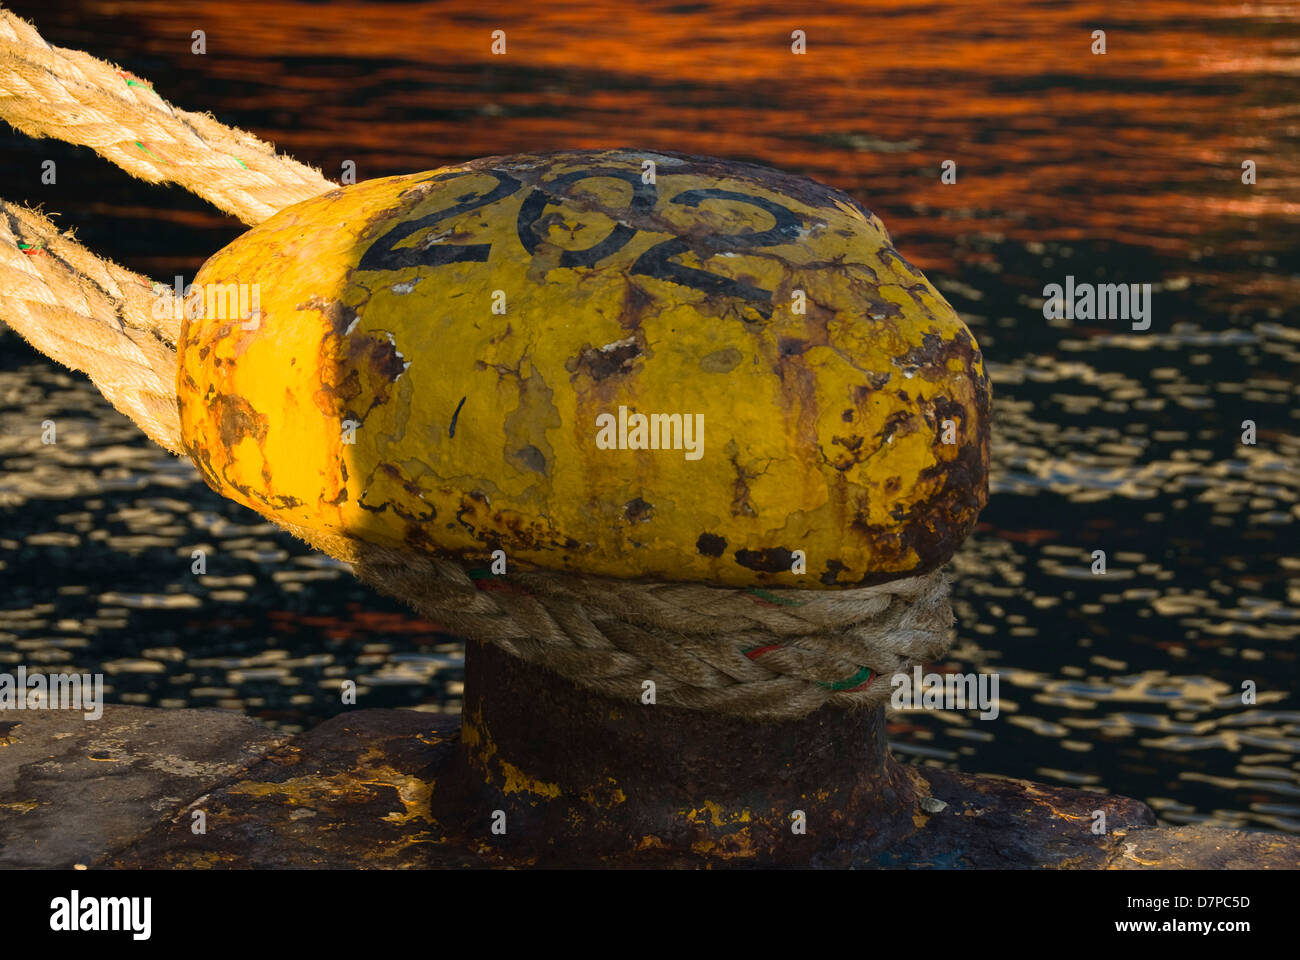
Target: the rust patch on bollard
(583, 779)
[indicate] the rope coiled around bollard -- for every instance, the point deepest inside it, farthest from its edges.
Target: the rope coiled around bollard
(761, 654)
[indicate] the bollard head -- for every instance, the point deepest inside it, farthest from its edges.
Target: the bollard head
(618, 363)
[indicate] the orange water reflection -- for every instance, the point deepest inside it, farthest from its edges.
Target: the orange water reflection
(1144, 143)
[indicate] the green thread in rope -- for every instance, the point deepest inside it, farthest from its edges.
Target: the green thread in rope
(133, 81)
(858, 679)
(39, 244)
(238, 161)
(150, 152)
(773, 598)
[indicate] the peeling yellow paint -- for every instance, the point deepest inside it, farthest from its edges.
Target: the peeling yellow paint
(516, 781)
(22, 806)
(482, 751)
(308, 791)
(1131, 854)
(717, 815)
(605, 796)
(1058, 813)
(414, 793)
(732, 846)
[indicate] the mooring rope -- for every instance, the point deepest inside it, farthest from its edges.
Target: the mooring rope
(91, 315)
(49, 91)
(763, 654)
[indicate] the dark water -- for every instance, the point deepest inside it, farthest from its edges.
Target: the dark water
(1117, 168)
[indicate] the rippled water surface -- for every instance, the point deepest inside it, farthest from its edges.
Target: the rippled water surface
(1117, 168)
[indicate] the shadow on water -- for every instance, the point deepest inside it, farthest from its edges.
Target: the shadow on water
(1117, 168)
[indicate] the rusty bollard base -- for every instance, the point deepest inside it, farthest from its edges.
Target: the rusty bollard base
(539, 777)
(547, 773)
